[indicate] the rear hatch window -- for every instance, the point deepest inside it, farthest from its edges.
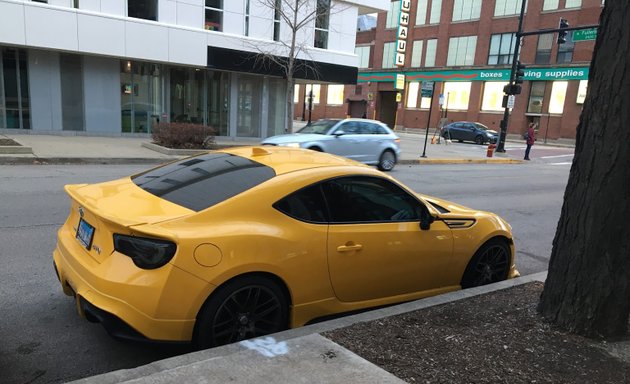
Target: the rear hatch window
(202, 181)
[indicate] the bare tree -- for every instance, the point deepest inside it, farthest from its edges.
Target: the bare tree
(588, 284)
(295, 15)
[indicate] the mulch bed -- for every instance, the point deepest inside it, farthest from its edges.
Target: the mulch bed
(493, 338)
(8, 142)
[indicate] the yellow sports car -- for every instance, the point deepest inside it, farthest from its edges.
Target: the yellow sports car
(244, 242)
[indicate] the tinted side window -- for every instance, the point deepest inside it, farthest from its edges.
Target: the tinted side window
(306, 204)
(202, 181)
(367, 128)
(350, 127)
(380, 130)
(369, 199)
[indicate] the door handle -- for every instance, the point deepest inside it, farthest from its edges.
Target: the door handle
(349, 247)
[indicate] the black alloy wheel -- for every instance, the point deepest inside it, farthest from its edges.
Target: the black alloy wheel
(491, 263)
(479, 140)
(245, 308)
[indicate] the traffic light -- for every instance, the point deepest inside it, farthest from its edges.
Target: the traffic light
(562, 35)
(520, 73)
(514, 89)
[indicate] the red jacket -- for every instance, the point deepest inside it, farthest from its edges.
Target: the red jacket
(531, 136)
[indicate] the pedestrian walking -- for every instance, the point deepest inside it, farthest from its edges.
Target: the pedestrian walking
(530, 137)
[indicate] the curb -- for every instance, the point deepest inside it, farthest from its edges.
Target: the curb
(144, 371)
(460, 161)
(33, 160)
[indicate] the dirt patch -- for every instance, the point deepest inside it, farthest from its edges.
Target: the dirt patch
(493, 338)
(8, 142)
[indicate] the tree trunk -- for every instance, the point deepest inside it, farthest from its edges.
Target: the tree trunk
(588, 284)
(290, 98)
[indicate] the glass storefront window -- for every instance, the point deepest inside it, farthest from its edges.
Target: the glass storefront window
(73, 118)
(412, 94)
(187, 98)
(558, 95)
(141, 96)
(492, 96)
(277, 107)
(316, 89)
(248, 106)
(14, 96)
(218, 102)
(536, 96)
(581, 94)
(335, 94)
(457, 95)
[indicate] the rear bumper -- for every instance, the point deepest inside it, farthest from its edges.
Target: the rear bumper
(132, 304)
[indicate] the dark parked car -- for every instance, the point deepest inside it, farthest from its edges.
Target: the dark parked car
(469, 131)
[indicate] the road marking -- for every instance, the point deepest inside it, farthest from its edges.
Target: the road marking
(553, 157)
(567, 163)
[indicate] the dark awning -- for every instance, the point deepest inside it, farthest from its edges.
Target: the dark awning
(243, 61)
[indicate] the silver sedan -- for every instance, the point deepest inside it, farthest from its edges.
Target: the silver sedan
(367, 141)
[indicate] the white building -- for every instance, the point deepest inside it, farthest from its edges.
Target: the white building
(121, 66)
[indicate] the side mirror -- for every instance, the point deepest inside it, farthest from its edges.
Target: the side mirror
(425, 220)
(339, 132)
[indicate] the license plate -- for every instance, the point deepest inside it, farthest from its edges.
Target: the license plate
(85, 233)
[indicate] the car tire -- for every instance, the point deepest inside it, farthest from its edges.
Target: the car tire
(241, 309)
(479, 140)
(491, 263)
(387, 161)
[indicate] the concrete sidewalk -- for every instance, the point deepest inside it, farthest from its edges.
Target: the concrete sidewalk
(299, 355)
(63, 148)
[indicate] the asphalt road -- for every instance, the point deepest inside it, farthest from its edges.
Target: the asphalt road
(42, 340)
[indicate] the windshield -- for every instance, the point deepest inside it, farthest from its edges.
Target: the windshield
(481, 126)
(319, 127)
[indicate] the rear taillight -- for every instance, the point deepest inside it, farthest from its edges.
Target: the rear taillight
(146, 253)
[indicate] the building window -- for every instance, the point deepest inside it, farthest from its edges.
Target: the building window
(461, 50)
(466, 10)
(246, 17)
(558, 94)
(416, 54)
(421, 12)
(315, 88)
(436, 12)
(492, 96)
(296, 93)
(574, 3)
(363, 54)
(565, 51)
(321, 24)
(457, 95)
(41, 1)
(507, 7)
(335, 94)
(549, 5)
(413, 93)
(214, 15)
(76, 4)
(389, 52)
(501, 46)
(429, 56)
(277, 12)
(14, 96)
(581, 93)
(392, 14)
(142, 9)
(536, 96)
(543, 50)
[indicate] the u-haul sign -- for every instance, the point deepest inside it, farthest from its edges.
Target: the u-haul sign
(403, 32)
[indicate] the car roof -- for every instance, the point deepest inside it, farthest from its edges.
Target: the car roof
(287, 159)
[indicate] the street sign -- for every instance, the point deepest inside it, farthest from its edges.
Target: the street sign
(510, 101)
(427, 89)
(398, 97)
(585, 34)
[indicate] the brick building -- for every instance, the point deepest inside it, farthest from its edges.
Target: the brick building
(465, 47)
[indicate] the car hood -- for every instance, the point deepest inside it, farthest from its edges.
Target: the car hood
(294, 138)
(492, 132)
